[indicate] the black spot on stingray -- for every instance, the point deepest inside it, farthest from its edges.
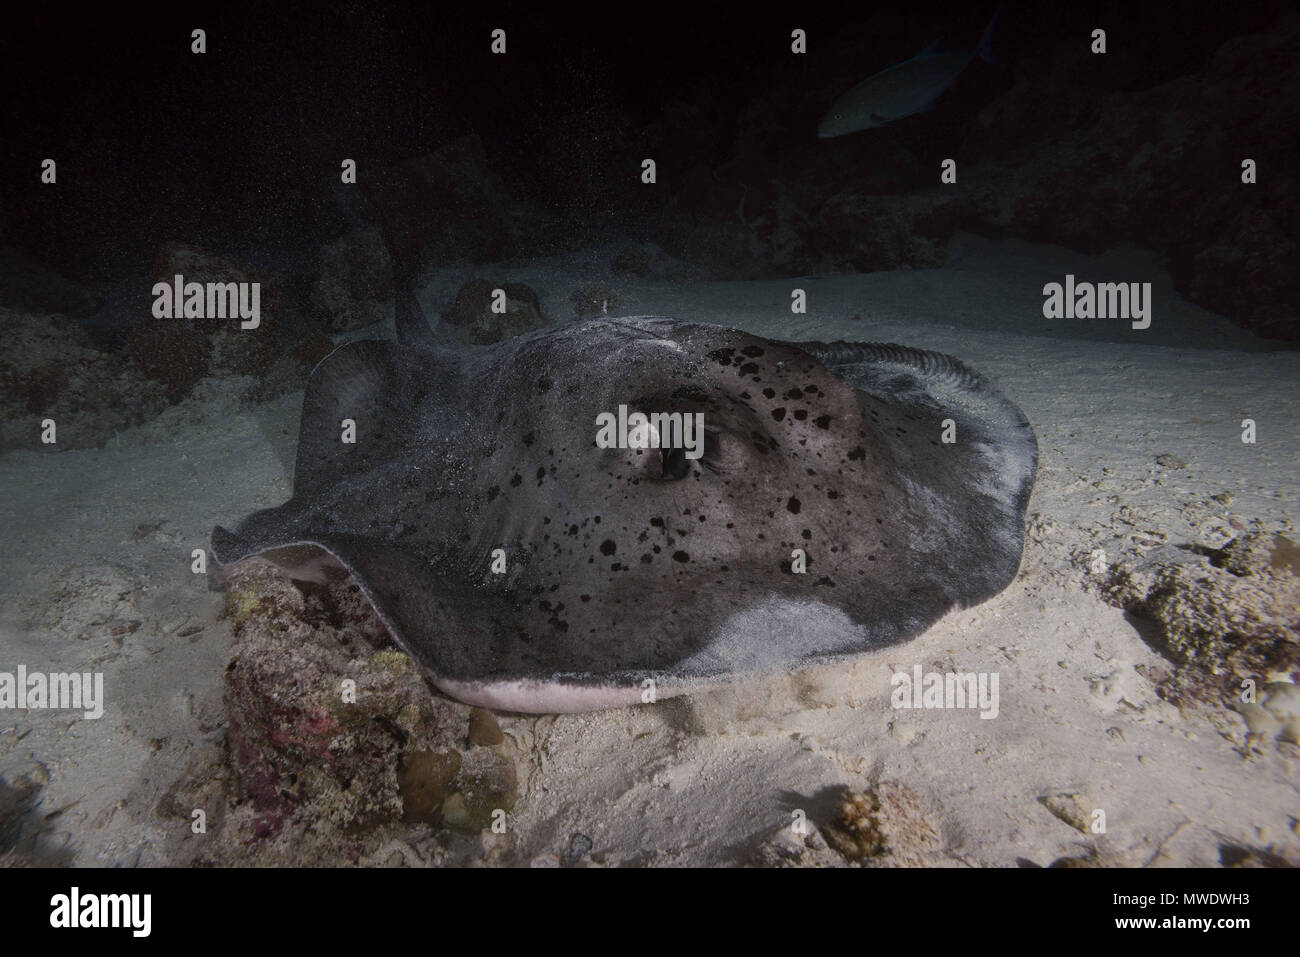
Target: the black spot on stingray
(807, 534)
(657, 522)
(541, 472)
(749, 368)
(722, 357)
(793, 505)
(529, 438)
(752, 351)
(769, 393)
(831, 493)
(778, 413)
(801, 414)
(544, 384)
(858, 454)
(822, 421)
(680, 556)
(607, 547)
(493, 492)
(647, 558)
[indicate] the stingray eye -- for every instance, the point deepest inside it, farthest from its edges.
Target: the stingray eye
(676, 465)
(715, 452)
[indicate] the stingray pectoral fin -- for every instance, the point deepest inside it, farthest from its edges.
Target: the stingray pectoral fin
(468, 642)
(227, 547)
(449, 629)
(541, 697)
(461, 638)
(301, 562)
(405, 596)
(352, 386)
(968, 451)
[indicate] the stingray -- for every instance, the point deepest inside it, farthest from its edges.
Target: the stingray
(848, 495)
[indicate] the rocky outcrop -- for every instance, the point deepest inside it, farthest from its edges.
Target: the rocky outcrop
(1048, 159)
(334, 734)
(1222, 617)
(50, 369)
(353, 286)
(473, 316)
(448, 206)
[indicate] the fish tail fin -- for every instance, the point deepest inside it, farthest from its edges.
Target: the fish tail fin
(985, 50)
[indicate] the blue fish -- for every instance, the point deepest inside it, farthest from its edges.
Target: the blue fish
(903, 89)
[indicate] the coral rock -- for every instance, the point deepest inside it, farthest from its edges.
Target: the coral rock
(335, 732)
(354, 286)
(471, 318)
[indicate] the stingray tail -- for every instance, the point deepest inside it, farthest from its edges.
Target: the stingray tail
(412, 327)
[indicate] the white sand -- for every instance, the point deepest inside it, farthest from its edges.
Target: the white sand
(99, 538)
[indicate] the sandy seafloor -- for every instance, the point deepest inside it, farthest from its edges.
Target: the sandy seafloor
(102, 536)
